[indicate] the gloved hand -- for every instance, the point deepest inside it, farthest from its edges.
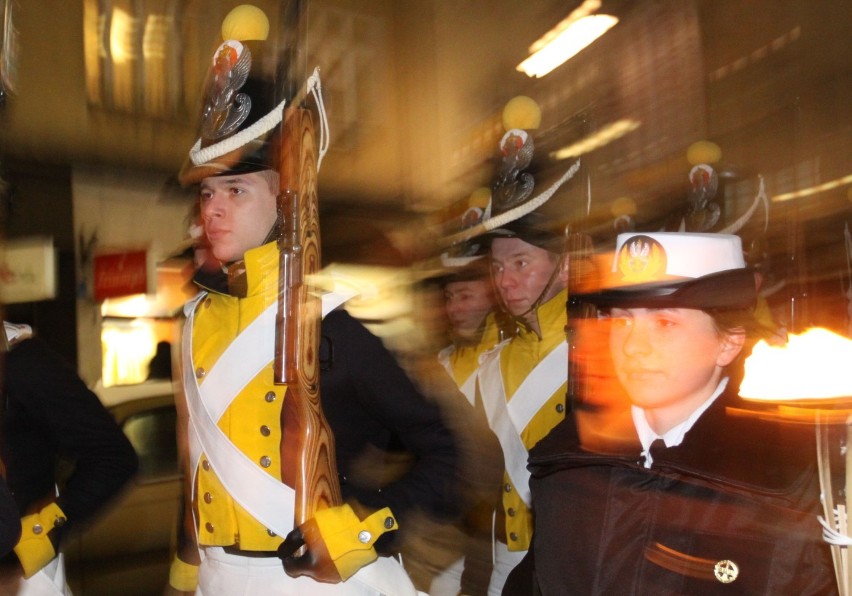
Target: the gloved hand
(337, 543)
(35, 549)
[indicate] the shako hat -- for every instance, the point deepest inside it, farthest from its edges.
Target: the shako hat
(513, 209)
(240, 116)
(705, 271)
(465, 261)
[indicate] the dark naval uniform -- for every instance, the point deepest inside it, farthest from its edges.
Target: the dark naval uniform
(731, 510)
(50, 415)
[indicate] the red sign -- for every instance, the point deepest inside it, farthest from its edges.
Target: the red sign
(120, 274)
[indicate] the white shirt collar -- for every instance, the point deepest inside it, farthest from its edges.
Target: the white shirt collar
(674, 436)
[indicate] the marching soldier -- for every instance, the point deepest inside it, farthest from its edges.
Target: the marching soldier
(238, 534)
(679, 490)
(522, 381)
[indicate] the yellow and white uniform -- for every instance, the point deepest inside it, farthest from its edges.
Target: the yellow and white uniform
(462, 361)
(219, 319)
(518, 358)
(250, 427)
(522, 384)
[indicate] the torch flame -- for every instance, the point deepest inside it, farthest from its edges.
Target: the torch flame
(813, 365)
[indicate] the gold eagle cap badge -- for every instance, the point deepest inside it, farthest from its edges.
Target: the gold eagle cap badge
(641, 260)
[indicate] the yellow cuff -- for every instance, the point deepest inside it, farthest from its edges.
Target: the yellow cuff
(34, 549)
(183, 576)
(349, 540)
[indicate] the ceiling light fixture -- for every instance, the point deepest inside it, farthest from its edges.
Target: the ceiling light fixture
(567, 39)
(812, 190)
(602, 137)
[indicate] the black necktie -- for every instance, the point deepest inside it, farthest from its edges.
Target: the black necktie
(655, 450)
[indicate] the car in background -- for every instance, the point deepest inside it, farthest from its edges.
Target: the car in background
(127, 550)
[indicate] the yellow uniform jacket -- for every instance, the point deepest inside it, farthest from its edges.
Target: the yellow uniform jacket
(517, 359)
(218, 320)
(367, 399)
(461, 361)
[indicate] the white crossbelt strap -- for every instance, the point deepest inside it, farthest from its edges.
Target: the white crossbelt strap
(544, 380)
(267, 499)
(468, 388)
(508, 417)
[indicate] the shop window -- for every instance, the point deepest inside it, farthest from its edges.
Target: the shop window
(133, 56)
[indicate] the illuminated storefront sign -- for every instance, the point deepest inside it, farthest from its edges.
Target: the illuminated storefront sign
(120, 274)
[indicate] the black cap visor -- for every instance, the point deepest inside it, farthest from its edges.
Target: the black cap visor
(732, 289)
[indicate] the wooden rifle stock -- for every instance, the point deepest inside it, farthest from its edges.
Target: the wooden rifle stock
(307, 446)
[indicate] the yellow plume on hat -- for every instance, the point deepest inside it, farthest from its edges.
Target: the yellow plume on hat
(521, 112)
(479, 197)
(245, 23)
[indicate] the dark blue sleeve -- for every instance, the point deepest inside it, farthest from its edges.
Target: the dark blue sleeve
(369, 398)
(52, 416)
(10, 520)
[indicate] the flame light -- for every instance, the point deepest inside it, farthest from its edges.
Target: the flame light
(813, 365)
(812, 370)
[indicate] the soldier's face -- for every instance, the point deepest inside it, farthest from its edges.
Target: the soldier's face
(467, 304)
(669, 360)
(521, 272)
(237, 212)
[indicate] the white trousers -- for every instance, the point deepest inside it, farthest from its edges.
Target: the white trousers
(448, 582)
(504, 561)
(49, 581)
(223, 574)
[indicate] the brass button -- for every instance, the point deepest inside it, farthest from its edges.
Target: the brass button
(206, 465)
(37, 529)
(265, 461)
(59, 522)
(560, 408)
(364, 536)
(513, 536)
(389, 522)
(508, 488)
(510, 512)
(200, 372)
(270, 396)
(209, 527)
(726, 571)
(208, 498)
(264, 430)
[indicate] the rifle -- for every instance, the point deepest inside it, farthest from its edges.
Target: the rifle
(307, 446)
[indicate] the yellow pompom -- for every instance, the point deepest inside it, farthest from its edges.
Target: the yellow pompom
(245, 23)
(521, 112)
(480, 197)
(703, 152)
(623, 206)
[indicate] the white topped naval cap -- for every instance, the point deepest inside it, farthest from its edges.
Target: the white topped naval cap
(663, 256)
